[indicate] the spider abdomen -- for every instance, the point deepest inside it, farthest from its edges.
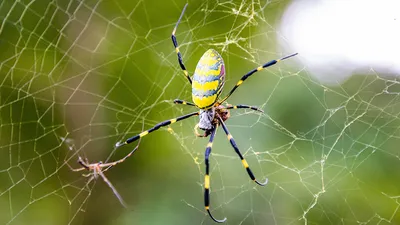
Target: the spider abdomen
(208, 79)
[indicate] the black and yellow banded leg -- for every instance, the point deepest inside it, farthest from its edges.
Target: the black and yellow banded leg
(244, 107)
(175, 42)
(182, 102)
(207, 178)
(268, 64)
(244, 162)
(156, 127)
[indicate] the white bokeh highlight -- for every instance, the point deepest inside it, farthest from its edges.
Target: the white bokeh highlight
(336, 38)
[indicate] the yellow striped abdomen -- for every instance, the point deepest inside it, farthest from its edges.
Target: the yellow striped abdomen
(208, 79)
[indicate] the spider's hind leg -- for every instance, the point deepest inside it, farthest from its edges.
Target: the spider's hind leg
(244, 162)
(207, 177)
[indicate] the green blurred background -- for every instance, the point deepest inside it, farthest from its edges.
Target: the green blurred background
(93, 73)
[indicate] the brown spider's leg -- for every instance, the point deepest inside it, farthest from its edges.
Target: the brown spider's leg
(268, 64)
(111, 164)
(75, 169)
(207, 178)
(244, 107)
(156, 127)
(244, 162)
(89, 181)
(84, 164)
(87, 174)
(182, 102)
(175, 42)
(113, 189)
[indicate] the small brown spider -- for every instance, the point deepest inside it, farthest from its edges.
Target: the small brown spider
(98, 169)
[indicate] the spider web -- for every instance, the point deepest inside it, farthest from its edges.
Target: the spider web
(79, 76)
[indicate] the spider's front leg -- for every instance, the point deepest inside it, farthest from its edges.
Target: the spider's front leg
(156, 127)
(207, 122)
(206, 133)
(175, 42)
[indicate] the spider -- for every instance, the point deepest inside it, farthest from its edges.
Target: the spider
(207, 83)
(97, 169)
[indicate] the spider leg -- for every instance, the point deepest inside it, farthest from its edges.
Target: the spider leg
(87, 174)
(84, 164)
(75, 169)
(156, 127)
(111, 164)
(175, 42)
(244, 162)
(89, 181)
(207, 178)
(268, 64)
(206, 133)
(182, 102)
(244, 107)
(113, 189)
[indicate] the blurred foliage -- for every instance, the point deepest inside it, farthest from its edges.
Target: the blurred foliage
(96, 72)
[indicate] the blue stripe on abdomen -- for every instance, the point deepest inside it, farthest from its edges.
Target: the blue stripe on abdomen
(201, 93)
(204, 79)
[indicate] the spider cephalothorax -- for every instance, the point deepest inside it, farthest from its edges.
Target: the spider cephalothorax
(207, 83)
(206, 119)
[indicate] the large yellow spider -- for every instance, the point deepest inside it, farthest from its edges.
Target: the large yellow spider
(207, 84)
